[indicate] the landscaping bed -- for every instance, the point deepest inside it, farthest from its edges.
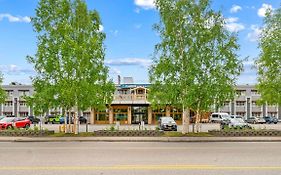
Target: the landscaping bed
(128, 133)
(245, 133)
(25, 133)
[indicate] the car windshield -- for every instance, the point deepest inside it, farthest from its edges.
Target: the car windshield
(167, 119)
(7, 119)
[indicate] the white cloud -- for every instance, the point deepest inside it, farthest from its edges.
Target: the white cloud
(231, 19)
(262, 11)
(115, 71)
(235, 8)
(129, 62)
(13, 69)
(255, 34)
(12, 18)
(232, 25)
(101, 28)
(145, 4)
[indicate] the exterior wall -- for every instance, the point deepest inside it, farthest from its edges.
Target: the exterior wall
(247, 95)
(134, 97)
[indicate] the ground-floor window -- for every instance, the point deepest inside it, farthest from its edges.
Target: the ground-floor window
(120, 113)
(176, 113)
(102, 117)
(256, 114)
(23, 114)
(139, 113)
(273, 114)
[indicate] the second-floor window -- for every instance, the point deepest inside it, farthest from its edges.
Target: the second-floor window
(9, 92)
(8, 103)
(22, 103)
(240, 103)
(23, 93)
(254, 92)
(241, 92)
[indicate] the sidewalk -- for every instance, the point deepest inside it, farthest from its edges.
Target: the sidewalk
(140, 139)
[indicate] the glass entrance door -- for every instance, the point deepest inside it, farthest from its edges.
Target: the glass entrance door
(139, 113)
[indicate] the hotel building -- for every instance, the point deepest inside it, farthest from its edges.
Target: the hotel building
(130, 105)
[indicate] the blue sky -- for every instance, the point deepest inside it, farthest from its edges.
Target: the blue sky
(130, 38)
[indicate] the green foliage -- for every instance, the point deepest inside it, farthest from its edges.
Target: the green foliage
(112, 128)
(3, 94)
(195, 64)
(70, 57)
(269, 61)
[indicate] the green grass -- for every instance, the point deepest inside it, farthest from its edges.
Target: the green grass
(179, 134)
(82, 134)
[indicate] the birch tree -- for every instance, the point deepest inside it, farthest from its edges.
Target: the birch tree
(3, 94)
(269, 61)
(196, 63)
(70, 56)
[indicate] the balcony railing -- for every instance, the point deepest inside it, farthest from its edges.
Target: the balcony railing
(130, 98)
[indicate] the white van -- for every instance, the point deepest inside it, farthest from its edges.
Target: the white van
(218, 117)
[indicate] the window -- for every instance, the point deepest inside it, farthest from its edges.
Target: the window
(254, 103)
(241, 113)
(254, 92)
(9, 92)
(241, 92)
(226, 103)
(23, 93)
(22, 103)
(8, 103)
(23, 114)
(256, 114)
(240, 103)
(273, 114)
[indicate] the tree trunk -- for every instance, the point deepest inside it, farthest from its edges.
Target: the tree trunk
(76, 123)
(185, 120)
(65, 122)
(69, 122)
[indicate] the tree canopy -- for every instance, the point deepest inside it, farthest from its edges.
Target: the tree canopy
(2, 92)
(70, 57)
(196, 63)
(269, 61)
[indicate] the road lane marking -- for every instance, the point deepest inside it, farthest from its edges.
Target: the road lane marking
(141, 167)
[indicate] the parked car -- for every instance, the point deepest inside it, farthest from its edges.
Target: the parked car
(255, 120)
(14, 122)
(67, 118)
(82, 119)
(33, 119)
(238, 123)
(236, 116)
(167, 124)
(270, 119)
(2, 116)
(218, 117)
(52, 119)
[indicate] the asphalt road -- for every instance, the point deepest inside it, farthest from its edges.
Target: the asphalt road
(88, 158)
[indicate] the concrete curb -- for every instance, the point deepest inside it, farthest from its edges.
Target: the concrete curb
(140, 139)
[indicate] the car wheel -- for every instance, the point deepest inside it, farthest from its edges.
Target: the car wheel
(275, 122)
(27, 126)
(9, 127)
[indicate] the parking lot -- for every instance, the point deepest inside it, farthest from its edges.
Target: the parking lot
(204, 127)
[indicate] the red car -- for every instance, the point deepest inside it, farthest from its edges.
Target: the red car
(14, 122)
